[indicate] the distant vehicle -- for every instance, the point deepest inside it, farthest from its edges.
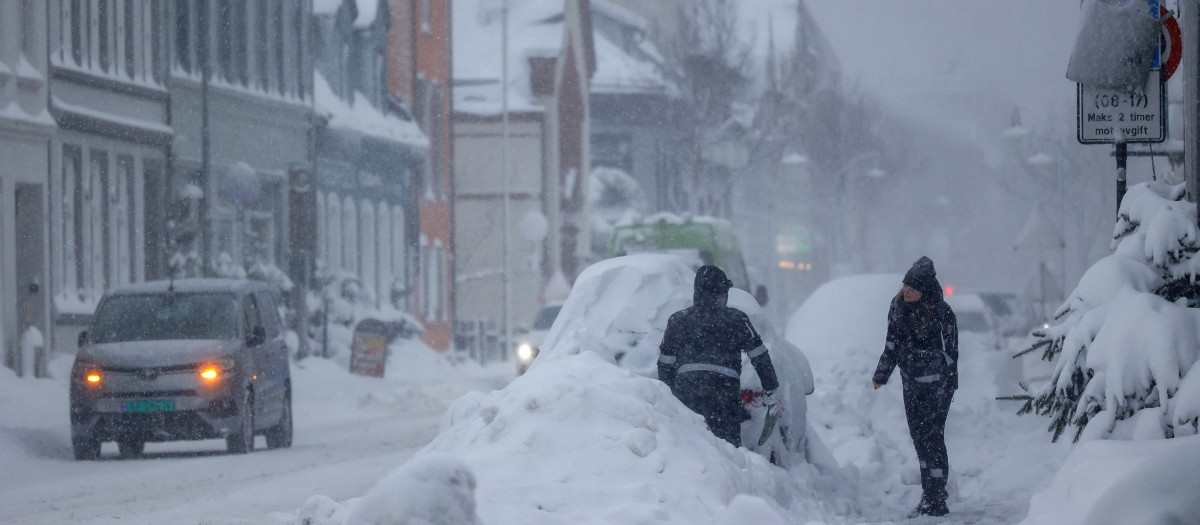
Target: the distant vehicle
(1013, 315)
(192, 359)
(530, 343)
(975, 318)
(699, 240)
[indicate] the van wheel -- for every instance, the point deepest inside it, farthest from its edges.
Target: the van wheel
(131, 447)
(280, 436)
(242, 440)
(85, 447)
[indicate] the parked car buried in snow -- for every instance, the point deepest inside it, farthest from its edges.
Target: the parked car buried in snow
(618, 308)
(192, 359)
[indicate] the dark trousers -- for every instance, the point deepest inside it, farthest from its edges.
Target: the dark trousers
(926, 405)
(717, 398)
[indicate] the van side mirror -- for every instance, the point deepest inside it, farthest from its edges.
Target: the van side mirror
(83, 339)
(256, 337)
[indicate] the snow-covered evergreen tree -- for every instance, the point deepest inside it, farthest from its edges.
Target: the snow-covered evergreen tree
(1127, 340)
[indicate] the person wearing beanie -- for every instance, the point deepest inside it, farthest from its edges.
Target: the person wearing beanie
(922, 339)
(700, 356)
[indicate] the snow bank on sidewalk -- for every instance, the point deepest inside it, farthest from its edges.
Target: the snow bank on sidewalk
(997, 459)
(1124, 483)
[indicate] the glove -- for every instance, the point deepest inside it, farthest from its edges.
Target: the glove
(771, 401)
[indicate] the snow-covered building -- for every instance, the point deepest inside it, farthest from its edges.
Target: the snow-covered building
(109, 158)
(418, 74)
(629, 97)
(241, 94)
(26, 129)
(550, 59)
(369, 153)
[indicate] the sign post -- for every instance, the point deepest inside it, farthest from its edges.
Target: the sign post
(1110, 116)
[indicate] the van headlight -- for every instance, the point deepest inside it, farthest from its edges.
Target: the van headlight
(215, 369)
(525, 352)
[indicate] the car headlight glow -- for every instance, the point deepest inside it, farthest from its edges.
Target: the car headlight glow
(92, 378)
(525, 352)
(214, 370)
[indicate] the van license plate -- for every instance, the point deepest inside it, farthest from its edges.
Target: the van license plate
(151, 405)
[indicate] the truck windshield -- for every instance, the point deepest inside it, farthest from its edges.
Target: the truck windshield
(168, 316)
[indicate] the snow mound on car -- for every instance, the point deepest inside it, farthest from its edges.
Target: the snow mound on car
(619, 308)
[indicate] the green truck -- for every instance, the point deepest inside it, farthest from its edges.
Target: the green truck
(701, 240)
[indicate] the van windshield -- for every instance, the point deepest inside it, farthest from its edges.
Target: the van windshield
(161, 317)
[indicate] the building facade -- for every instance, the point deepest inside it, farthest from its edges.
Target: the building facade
(110, 156)
(543, 112)
(418, 76)
(369, 153)
(26, 131)
(240, 86)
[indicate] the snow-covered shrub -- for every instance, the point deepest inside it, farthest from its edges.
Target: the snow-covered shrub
(1127, 340)
(337, 301)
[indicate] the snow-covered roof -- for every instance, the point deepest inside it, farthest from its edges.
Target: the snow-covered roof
(326, 7)
(621, 72)
(367, 11)
(532, 31)
(764, 24)
(535, 29)
(362, 117)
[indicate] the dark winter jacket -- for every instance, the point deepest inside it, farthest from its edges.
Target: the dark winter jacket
(922, 337)
(709, 337)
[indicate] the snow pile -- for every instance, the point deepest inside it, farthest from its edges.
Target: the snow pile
(582, 439)
(994, 454)
(432, 489)
(1128, 338)
(1125, 483)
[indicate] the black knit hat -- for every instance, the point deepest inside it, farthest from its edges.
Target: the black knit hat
(710, 278)
(922, 277)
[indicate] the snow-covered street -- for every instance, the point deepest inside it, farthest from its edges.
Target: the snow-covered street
(350, 431)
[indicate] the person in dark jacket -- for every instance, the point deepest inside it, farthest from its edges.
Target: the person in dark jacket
(701, 356)
(922, 338)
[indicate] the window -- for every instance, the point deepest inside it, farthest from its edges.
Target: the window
(334, 254)
(399, 261)
(251, 317)
(225, 39)
(322, 229)
(350, 236)
(159, 317)
(241, 51)
(270, 314)
(104, 18)
(96, 260)
(262, 44)
(369, 262)
(183, 35)
(383, 232)
(78, 30)
(129, 33)
(155, 219)
(276, 7)
(613, 151)
(72, 211)
(121, 222)
(298, 67)
(435, 138)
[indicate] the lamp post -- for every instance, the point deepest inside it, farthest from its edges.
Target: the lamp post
(507, 176)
